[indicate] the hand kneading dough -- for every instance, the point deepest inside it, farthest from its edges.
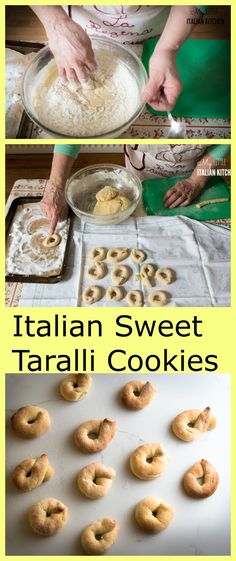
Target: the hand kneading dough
(110, 201)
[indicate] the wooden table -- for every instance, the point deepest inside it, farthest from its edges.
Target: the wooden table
(35, 166)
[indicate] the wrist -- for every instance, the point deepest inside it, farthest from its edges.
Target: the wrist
(55, 184)
(198, 181)
(56, 17)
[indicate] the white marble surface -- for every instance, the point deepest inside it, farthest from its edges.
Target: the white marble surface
(200, 527)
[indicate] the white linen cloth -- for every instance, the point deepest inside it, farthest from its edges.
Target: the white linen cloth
(198, 252)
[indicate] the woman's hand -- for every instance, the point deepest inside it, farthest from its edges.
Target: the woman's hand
(53, 203)
(182, 194)
(71, 47)
(163, 78)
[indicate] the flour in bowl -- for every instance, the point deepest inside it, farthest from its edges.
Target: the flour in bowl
(107, 101)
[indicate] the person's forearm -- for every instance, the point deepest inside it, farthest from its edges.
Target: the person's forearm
(177, 28)
(49, 15)
(61, 169)
(199, 174)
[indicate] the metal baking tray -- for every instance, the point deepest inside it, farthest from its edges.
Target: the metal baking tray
(10, 277)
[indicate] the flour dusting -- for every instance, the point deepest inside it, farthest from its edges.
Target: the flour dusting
(104, 103)
(25, 254)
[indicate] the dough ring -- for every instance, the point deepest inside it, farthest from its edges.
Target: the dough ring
(147, 273)
(153, 514)
(47, 517)
(135, 298)
(95, 480)
(30, 421)
(148, 461)
(165, 276)
(115, 293)
(98, 254)
(120, 274)
(137, 394)
(32, 472)
(75, 387)
(138, 256)
(91, 294)
(99, 536)
(158, 298)
(191, 424)
(117, 254)
(52, 241)
(210, 479)
(107, 193)
(97, 271)
(95, 435)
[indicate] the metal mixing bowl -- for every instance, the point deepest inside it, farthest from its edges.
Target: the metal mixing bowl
(44, 56)
(82, 187)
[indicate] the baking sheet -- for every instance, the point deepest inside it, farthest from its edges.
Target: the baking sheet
(198, 528)
(25, 226)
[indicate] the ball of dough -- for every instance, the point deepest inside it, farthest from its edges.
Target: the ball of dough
(107, 193)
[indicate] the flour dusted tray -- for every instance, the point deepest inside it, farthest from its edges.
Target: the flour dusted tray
(46, 268)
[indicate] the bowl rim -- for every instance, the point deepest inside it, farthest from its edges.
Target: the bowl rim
(121, 212)
(108, 134)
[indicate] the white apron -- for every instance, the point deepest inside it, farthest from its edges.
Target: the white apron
(163, 160)
(127, 24)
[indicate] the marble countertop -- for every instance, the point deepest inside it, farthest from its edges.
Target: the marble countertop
(200, 527)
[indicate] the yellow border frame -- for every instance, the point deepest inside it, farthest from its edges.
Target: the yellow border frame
(219, 323)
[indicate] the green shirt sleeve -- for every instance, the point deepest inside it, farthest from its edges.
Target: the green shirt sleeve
(71, 150)
(202, 9)
(219, 151)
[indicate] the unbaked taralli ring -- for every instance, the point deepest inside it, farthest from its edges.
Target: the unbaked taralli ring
(30, 421)
(210, 479)
(148, 461)
(117, 254)
(95, 480)
(47, 517)
(165, 276)
(158, 298)
(147, 273)
(115, 293)
(98, 254)
(135, 298)
(99, 536)
(138, 256)
(75, 387)
(137, 394)
(97, 271)
(192, 423)
(95, 435)
(52, 241)
(153, 515)
(32, 472)
(91, 294)
(120, 274)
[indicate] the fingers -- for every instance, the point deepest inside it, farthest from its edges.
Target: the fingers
(172, 92)
(152, 92)
(176, 196)
(53, 222)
